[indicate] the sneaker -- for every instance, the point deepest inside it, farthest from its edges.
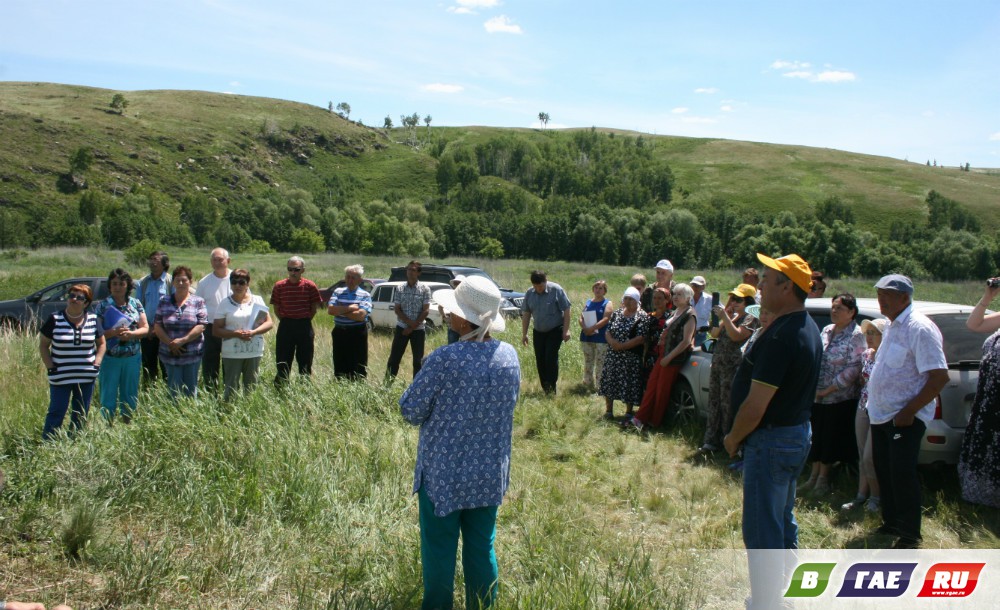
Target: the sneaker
(857, 502)
(872, 505)
(638, 425)
(708, 448)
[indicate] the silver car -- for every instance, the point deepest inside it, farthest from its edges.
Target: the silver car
(384, 314)
(962, 349)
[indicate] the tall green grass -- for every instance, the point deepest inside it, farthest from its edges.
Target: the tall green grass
(301, 497)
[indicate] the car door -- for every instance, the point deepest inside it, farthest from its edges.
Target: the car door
(383, 314)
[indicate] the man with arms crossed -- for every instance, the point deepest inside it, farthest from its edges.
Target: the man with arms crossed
(909, 373)
(214, 288)
(775, 386)
(548, 304)
(350, 305)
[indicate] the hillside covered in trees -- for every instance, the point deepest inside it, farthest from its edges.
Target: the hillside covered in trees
(84, 166)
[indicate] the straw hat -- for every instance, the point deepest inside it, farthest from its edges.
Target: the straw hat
(477, 300)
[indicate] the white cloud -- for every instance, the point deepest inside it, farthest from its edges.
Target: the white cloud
(442, 88)
(834, 76)
(708, 90)
(503, 25)
(235, 84)
(726, 108)
(460, 10)
(477, 3)
(995, 137)
(790, 65)
(798, 74)
(680, 110)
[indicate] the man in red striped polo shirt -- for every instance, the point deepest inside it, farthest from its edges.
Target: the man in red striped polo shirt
(296, 300)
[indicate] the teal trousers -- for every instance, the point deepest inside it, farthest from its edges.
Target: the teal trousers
(438, 549)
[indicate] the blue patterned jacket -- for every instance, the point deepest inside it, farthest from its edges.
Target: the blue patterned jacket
(463, 400)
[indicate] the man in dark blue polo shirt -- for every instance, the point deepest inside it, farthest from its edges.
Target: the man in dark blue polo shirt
(775, 386)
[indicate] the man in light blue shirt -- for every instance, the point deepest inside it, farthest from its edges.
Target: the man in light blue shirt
(154, 286)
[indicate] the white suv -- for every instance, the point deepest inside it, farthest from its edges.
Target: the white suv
(963, 350)
(384, 316)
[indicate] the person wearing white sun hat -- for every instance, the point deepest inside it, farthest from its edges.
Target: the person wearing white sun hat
(463, 400)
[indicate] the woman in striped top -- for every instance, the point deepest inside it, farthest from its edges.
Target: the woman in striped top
(72, 350)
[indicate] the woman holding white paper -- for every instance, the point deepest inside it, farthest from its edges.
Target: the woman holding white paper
(241, 321)
(593, 326)
(122, 319)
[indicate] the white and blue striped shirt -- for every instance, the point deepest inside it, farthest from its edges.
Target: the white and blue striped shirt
(73, 349)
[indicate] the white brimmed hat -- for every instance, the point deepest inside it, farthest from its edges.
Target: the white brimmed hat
(877, 323)
(477, 300)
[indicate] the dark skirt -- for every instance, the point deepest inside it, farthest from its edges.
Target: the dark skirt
(833, 432)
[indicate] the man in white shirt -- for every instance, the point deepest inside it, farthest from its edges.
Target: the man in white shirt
(214, 288)
(702, 305)
(909, 373)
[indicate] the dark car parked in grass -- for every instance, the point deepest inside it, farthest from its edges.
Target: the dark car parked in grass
(29, 312)
(432, 272)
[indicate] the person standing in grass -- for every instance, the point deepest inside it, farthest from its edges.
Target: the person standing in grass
(463, 400)
(548, 304)
(412, 304)
(593, 342)
(241, 321)
(775, 385)
(123, 328)
(350, 305)
(179, 324)
(664, 279)
(72, 350)
(622, 375)
(152, 287)
(214, 288)
(296, 300)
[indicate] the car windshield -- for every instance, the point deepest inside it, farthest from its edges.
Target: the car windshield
(960, 343)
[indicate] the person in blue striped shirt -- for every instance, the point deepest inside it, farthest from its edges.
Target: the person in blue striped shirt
(72, 350)
(350, 307)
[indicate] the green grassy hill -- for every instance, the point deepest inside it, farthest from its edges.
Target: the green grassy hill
(235, 147)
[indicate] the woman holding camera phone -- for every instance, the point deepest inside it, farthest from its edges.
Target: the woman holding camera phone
(979, 462)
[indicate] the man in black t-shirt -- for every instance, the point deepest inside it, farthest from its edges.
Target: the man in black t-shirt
(774, 387)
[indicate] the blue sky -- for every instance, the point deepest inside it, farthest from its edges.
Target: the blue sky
(914, 80)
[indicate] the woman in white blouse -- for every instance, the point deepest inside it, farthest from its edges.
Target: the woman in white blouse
(241, 321)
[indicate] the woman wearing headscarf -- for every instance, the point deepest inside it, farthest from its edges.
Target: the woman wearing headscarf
(179, 324)
(72, 350)
(622, 375)
(734, 328)
(867, 481)
(122, 318)
(837, 393)
(673, 348)
(463, 400)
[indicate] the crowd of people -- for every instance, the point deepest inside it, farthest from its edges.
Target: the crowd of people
(782, 391)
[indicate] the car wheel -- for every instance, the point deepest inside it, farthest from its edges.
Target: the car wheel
(682, 407)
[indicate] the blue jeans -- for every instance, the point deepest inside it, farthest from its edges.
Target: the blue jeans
(182, 378)
(772, 461)
(59, 402)
(439, 547)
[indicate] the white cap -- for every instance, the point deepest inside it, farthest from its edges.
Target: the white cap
(698, 280)
(665, 264)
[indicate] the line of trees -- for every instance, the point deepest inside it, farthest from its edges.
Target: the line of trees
(580, 196)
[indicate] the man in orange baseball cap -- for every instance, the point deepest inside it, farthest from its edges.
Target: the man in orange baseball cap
(774, 387)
